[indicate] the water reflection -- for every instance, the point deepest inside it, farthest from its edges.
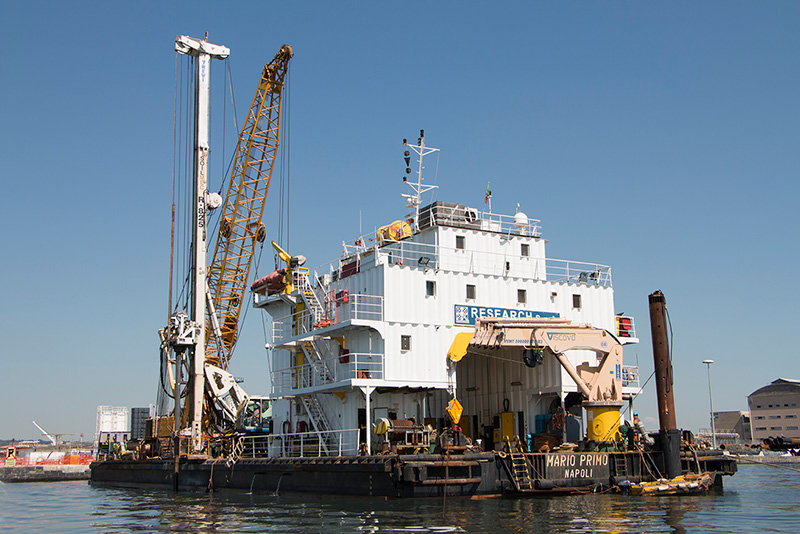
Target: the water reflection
(756, 500)
(165, 511)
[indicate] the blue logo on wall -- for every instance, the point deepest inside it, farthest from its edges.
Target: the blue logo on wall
(466, 315)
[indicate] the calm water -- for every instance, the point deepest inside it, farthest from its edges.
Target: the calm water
(757, 499)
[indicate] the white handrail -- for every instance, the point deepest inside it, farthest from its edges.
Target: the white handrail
(352, 366)
(301, 444)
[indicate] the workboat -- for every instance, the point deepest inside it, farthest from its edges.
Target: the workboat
(441, 354)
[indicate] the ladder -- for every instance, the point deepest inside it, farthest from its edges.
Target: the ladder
(236, 453)
(317, 417)
(620, 466)
(519, 464)
(519, 468)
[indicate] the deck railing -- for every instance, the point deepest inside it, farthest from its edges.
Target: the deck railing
(425, 256)
(301, 444)
(351, 366)
(337, 310)
(630, 376)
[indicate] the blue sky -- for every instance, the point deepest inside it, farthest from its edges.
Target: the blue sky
(660, 139)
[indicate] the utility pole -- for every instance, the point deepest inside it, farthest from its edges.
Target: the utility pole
(711, 406)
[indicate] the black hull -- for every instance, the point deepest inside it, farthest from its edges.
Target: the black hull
(470, 475)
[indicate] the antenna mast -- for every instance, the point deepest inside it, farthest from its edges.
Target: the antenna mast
(413, 200)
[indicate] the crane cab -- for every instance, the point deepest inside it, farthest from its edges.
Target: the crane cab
(255, 417)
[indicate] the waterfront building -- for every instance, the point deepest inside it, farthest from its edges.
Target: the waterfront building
(731, 427)
(775, 409)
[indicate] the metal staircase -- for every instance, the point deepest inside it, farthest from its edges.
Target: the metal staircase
(313, 317)
(318, 420)
(313, 304)
(315, 360)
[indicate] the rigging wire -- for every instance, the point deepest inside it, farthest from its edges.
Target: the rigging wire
(226, 176)
(436, 176)
(172, 223)
(188, 236)
(284, 169)
(224, 124)
(233, 94)
(669, 349)
(287, 144)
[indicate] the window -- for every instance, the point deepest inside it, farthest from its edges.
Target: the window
(776, 428)
(470, 292)
(522, 296)
(405, 342)
(774, 416)
(461, 242)
(761, 428)
(576, 302)
(790, 416)
(430, 288)
(525, 250)
(759, 417)
(791, 428)
(758, 406)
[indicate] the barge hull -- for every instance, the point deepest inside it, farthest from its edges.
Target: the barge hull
(43, 473)
(469, 475)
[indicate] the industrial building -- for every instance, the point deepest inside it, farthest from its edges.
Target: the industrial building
(775, 409)
(731, 427)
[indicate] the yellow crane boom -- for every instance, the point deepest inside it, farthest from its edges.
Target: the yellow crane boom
(241, 226)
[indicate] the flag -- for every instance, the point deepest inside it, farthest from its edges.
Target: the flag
(488, 194)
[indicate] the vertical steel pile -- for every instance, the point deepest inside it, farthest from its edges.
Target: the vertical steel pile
(669, 435)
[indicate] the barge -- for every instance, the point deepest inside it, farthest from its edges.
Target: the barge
(443, 354)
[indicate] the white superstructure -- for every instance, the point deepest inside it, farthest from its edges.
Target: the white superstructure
(367, 336)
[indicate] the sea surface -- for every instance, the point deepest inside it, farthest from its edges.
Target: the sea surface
(757, 499)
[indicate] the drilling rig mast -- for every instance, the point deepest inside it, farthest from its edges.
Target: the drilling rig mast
(202, 340)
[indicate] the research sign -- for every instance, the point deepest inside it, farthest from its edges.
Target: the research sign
(465, 315)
